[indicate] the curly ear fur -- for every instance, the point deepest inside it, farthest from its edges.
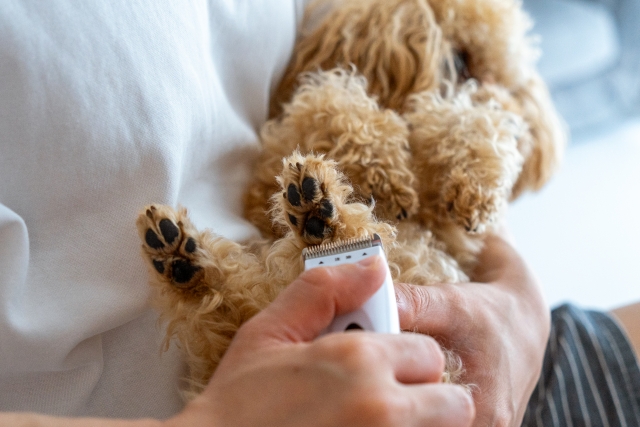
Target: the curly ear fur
(395, 44)
(493, 36)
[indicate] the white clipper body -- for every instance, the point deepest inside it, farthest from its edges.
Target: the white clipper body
(380, 312)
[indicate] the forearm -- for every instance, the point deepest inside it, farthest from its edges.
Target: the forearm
(36, 420)
(629, 317)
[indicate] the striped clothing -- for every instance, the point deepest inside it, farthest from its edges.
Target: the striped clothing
(590, 376)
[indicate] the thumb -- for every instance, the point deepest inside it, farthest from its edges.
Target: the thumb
(426, 309)
(309, 303)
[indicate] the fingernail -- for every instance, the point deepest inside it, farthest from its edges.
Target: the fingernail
(369, 261)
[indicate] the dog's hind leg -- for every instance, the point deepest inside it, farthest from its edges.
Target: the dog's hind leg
(204, 286)
(466, 159)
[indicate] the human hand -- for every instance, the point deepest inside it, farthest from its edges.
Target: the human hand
(498, 325)
(276, 373)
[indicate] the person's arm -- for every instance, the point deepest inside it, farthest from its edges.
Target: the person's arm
(498, 324)
(629, 318)
(276, 373)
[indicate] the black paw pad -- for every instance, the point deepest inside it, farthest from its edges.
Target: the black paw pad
(190, 246)
(169, 230)
(293, 220)
(326, 209)
(309, 188)
(159, 266)
(315, 227)
(183, 271)
(450, 207)
(152, 240)
(293, 195)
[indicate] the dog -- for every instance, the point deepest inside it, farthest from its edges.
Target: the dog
(418, 120)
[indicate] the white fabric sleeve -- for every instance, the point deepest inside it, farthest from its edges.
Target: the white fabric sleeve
(106, 106)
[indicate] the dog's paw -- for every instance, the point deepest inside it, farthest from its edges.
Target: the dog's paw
(170, 245)
(472, 204)
(312, 190)
(309, 209)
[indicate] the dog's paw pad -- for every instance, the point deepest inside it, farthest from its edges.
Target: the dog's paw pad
(471, 210)
(158, 265)
(309, 188)
(182, 271)
(293, 195)
(315, 227)
(169, 230)
(152, 240)
(326, 209)
(170, 245)
(190, 245)
(308, 206)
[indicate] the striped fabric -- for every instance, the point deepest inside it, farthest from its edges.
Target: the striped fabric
(590, 375)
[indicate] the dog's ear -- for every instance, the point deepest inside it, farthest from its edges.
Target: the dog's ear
(544, 146)
(505, 57)
(396, 45)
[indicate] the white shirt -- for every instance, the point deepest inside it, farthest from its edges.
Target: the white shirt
(106, 106)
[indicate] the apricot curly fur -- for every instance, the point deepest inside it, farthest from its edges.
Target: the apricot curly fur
(418, 120)
(234, 283)
(395, 44)
(332, 114)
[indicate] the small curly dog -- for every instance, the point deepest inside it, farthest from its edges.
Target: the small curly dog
(418, 120)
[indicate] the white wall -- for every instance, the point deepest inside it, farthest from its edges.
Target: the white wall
(581, 233)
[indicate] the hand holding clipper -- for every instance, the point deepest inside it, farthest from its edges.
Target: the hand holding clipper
(380, 312)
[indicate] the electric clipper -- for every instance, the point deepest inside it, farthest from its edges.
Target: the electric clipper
(380, 312)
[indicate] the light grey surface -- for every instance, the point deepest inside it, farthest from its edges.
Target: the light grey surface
(579, 40)
(590, 58)
(581, 233)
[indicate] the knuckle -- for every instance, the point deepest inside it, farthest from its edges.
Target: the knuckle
(455, 406)
(361, 352)
(353, 350)
(463, 313)
(437, 354)
(467, 410)
(428, 348)
(377, 408)
(419, 299)
(432, 346)
(504, 416)
(315, 277)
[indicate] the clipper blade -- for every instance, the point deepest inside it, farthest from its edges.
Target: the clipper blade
(340, 246)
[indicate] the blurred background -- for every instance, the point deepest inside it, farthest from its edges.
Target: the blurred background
(581, 233)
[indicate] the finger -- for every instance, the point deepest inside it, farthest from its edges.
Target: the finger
(439, 405)
(414, 358)
(309, 303)
(431, 310)
(409, 358)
